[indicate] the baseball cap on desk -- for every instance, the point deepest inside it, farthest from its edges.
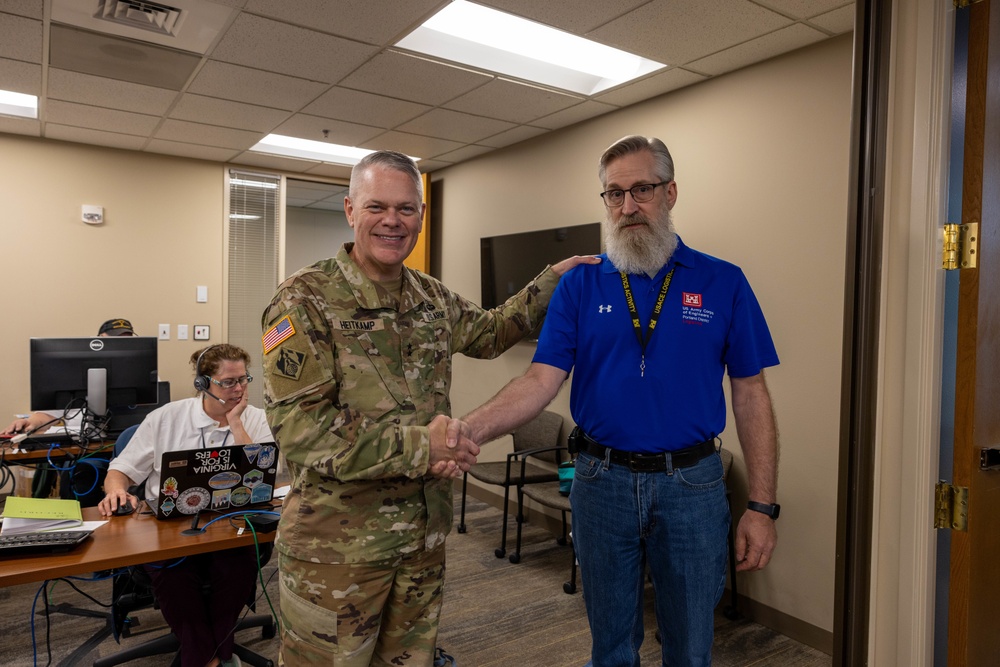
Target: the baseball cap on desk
(118, 327)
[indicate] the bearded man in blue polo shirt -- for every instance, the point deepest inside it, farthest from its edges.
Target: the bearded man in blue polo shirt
(649, 334)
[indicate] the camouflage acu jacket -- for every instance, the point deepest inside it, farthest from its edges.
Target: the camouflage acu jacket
(351, 379)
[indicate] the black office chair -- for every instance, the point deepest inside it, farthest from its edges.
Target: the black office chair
(133, 590)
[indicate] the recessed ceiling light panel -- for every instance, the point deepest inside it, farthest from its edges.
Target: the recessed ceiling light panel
(488, 39)
(18, 104)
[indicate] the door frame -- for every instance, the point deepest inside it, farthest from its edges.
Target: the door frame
(885, 612)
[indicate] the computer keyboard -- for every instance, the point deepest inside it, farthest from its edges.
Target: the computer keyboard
(50, 542)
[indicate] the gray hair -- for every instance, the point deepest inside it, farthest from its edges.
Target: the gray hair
(391, 160)
(664, 164)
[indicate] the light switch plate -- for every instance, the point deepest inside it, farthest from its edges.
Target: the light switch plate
(164, 332)
(202, 331)
(201, 294)
(182, 332)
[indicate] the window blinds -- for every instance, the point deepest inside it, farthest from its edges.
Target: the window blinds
(254, 235)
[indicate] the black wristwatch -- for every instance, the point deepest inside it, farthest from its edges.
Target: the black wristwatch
(771, 510)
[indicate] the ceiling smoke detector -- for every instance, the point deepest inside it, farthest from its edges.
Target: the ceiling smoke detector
(151, 16)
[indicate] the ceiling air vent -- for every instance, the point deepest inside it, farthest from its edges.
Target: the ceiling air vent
(151, 16)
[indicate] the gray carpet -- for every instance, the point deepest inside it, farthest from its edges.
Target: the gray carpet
(495, 614)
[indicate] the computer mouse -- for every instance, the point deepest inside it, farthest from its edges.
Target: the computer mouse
(124, 509)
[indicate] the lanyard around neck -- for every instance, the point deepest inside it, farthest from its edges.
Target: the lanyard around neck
(636, 324)
(224, 439)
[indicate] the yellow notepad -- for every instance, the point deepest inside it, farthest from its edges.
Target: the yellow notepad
(30, 515)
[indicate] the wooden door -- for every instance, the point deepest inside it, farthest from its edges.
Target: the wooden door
(974, 588)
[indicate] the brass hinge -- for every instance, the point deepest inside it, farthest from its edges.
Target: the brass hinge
(962, 4)
(951, 506)
(961, 246)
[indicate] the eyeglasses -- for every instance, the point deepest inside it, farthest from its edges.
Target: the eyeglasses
(229, 383)
(640, 194)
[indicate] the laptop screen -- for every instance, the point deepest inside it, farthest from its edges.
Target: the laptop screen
(222, 479)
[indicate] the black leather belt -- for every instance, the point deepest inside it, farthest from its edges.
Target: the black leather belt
(640, 462)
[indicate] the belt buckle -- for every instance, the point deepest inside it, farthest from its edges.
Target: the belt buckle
(646, 462)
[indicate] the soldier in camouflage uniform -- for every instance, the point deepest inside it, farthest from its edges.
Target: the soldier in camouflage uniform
(357, 371)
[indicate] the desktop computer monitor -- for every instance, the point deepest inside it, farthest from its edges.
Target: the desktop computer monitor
(108, 373)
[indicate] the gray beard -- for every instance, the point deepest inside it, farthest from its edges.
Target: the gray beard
(641, 253)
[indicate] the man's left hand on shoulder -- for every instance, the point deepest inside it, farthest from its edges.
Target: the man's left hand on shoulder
(756, 537)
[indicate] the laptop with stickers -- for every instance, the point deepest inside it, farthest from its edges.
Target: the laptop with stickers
(219, 479)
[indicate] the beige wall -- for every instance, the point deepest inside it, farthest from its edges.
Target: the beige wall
(162, 237)
(761, 161)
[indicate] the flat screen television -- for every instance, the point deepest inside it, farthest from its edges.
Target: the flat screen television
(110, 373)
(509, 261)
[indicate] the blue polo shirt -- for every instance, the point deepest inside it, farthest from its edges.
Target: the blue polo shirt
(710, 324)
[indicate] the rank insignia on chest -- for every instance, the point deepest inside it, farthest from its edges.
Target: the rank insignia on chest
(289, 363)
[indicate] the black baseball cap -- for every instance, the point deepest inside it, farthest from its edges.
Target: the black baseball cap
(117, 327)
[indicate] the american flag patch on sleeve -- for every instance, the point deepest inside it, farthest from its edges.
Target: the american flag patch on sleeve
(281, 331)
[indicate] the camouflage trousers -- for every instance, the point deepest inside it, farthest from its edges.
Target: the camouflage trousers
(361, 615)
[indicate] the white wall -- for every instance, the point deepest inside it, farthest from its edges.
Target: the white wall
(312, 235)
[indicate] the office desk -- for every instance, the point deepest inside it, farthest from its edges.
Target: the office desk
(124, 541)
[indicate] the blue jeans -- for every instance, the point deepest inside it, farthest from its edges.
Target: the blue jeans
(676, 522)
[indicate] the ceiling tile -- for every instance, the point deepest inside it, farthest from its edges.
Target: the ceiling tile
(330, 170)
(242, 84)
(410, 78)
(838, 21)
(28, 126)
(191, 150)
(803, 9)
(508, 100)
(30, 8)
(447, 124)
(207, 135)
(360, 107)
(465, 153)
(519, 133)
(575, 16)
(265, 161)
(411, 144)
(109, 93)
(95, 137)
(781, 41)
(650, 87)
(688, 31)
(373, 21)
(575, 114)
(20, 38)
(278, 47)
(311, 127)
(98, 118)
(21, 77)
(212, 111)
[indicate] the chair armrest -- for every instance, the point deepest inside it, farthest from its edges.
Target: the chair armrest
(528, 453)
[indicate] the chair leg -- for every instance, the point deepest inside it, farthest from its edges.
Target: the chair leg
(502, 550)
(515, 557)
(461, 521)
(563, 541)
(570, 586)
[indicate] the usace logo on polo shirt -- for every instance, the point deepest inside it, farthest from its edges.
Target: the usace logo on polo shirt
(693, 309)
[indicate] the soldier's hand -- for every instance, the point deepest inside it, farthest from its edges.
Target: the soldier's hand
(567, 264)
(452, 451)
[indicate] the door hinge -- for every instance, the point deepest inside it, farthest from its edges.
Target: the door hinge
(951, 506)
(961, 246)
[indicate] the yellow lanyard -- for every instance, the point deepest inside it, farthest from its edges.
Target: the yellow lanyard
(630, 301)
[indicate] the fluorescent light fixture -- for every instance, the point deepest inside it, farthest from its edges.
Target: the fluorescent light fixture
(18, 104)
(324, 151)
(243, 216)
(252, 184)
(488, 39)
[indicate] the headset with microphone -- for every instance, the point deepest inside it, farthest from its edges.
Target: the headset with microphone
(203, 382)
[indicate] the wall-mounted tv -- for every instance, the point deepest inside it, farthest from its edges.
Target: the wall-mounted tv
(509, 261)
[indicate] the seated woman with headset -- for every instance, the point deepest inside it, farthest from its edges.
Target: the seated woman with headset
(217, 416)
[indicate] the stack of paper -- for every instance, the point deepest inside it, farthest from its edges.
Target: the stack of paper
(31, 515)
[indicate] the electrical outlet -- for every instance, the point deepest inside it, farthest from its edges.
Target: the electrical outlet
(201, 332)
(164, 332)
